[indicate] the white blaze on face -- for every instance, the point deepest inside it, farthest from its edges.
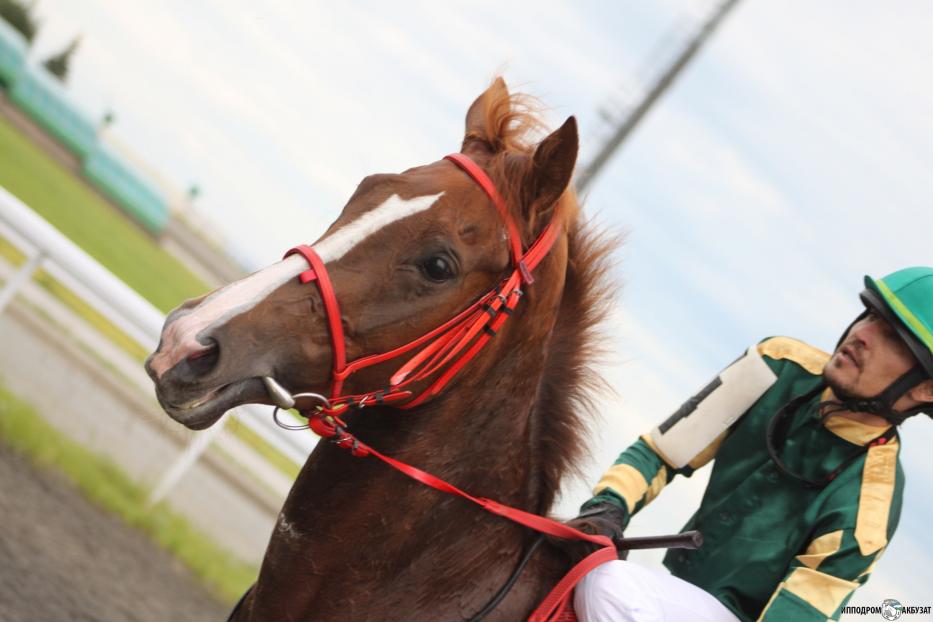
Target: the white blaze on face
(241, 296)
(392, 209)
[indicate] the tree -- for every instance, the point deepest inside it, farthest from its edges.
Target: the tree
(107, 120)
(19, 16)
(58, 64)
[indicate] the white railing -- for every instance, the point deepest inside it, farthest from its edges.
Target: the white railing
(46, 247)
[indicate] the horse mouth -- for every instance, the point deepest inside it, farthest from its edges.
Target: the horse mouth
(202, 412)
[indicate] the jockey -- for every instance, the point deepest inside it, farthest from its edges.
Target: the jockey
(806, 489)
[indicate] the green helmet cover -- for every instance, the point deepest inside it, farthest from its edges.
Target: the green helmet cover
(905, 299)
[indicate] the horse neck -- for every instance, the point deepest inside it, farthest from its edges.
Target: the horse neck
(480, 436)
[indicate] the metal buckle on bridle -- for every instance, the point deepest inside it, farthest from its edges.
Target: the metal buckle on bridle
(304, 412)
(342, 437)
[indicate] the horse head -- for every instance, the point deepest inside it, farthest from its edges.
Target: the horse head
(409, 291)
(408, 252)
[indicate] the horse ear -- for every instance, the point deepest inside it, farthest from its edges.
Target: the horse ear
(476, 135)
(552, 167)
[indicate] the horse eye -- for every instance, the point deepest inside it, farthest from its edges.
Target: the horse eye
(437, 268)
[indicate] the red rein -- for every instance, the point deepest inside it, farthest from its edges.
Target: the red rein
(444, 352)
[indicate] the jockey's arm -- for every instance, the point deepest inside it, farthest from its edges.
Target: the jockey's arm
(820, 581)
(639, 474)
(685, 441)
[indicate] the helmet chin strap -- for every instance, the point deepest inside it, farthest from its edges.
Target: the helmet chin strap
(883, 403)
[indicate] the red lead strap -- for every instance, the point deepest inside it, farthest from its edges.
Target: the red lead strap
(555, 603)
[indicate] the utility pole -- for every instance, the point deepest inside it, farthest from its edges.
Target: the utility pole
(627, 122)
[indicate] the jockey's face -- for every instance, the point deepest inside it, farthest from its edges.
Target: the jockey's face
(868, 360)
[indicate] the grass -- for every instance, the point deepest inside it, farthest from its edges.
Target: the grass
(102, 482)
(108, 236)
(93, 224)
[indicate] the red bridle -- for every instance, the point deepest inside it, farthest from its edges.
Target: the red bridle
(445, 351)
(449, 347)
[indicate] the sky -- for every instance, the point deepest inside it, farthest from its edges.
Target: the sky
(788, 161)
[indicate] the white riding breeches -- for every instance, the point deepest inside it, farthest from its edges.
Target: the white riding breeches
(621, 591)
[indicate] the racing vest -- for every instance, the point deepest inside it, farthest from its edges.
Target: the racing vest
(774, 549)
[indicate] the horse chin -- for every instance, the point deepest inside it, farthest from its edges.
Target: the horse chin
(202, 413)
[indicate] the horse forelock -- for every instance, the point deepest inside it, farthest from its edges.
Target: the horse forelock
(512, 126)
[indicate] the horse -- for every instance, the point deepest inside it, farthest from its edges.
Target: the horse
(355, 540)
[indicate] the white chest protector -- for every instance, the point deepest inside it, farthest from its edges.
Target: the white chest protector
(710, 412)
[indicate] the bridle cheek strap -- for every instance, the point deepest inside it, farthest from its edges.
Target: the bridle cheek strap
(482, 179)
(318, 273)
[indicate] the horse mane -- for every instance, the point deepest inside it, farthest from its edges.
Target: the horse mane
(565, 404)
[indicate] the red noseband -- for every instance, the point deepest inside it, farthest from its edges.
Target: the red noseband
(449, 347)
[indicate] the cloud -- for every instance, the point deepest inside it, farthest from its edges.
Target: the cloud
(306, 100)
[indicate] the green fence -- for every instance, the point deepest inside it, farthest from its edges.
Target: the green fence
(37, 93)
(41, 97)
(110, 173)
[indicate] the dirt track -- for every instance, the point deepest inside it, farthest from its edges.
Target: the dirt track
(62, 558)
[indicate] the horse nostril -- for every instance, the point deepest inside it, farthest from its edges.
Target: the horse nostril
(204, 360)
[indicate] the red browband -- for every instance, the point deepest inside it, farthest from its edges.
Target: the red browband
(449, 347)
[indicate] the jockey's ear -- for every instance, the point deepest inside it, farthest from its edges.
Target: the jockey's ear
(550, 174)
(923, 392)
(476, 137)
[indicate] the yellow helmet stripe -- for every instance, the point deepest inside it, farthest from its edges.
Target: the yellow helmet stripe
(905, 314)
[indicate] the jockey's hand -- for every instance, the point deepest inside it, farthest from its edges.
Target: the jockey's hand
(604, 519)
